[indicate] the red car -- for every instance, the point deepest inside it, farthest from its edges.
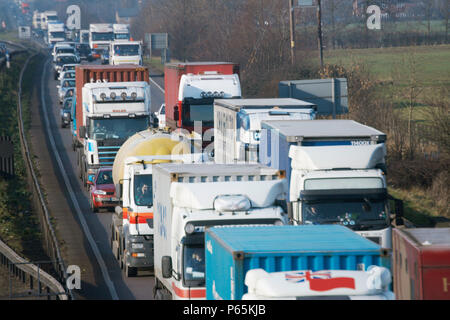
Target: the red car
(102, 191)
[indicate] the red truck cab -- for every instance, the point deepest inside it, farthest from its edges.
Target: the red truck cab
(190, 98)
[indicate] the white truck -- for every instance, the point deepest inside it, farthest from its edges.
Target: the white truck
(37, 19)
(100, 35)
(132, 224)
(48, 17)
(237, 124)
(337, 174)
(121, 32)
(56, 32)
(112, 112)
(191, 197)
(372, 284)
(84, 36)
(125, 52)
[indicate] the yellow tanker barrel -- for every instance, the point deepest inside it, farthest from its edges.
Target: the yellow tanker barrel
(147, 143)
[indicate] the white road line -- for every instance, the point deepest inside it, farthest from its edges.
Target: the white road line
(157, 85)
(71, 192)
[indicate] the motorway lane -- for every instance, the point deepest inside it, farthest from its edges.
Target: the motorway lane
(99, 224)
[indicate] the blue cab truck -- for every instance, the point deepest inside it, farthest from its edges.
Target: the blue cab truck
(336, 173)
(231, 251)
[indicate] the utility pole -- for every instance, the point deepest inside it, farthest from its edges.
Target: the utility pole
(292, 28)
(319, 31)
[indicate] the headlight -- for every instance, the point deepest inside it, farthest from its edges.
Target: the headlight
(100, 192)
(189, 228)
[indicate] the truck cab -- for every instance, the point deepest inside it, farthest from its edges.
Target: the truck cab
(100, 36)
(112, 112)
(132, 225)
(56, 33)
(121, 32)
(125, 52)
(189, 198)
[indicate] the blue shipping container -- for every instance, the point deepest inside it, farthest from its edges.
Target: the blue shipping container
(277, 136)
(232, 251)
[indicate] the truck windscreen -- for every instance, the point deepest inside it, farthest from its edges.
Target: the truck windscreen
(198, 112)
(357, 214)
(122, 36)
(194, 265)
(58, 34)
(126, 50)
(102, 36)
(143, 195)
(116, 128)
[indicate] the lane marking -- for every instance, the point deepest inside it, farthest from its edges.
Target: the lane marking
(157, 85)
(71, 192)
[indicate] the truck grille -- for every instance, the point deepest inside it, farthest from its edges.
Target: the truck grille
(107, 154)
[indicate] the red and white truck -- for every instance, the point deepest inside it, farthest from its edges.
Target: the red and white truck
(190, 90)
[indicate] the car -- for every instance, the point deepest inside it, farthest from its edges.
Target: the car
(67, 67)
(65, 85)
(69, 74)
(69, 93)
(105, 56)
(102, 193)
(62, 59)
(66, 112)
(161, 115)
(84, 51)
(65, 49)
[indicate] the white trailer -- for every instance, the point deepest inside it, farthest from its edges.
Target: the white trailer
(237, 124)
(191, 197)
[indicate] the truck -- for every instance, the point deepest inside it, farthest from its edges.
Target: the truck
(372, 284)
(337, 174)
(84, 36)
(421, 263)
(132, 224)
(190, 90)
(121, 32)
(231, 251)
(125, 52)
(112, 112)
(237, 124)
(95, 73)
(48, 16)
(56, 32)
(37, 19)
(100, 35)
(188, 198)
